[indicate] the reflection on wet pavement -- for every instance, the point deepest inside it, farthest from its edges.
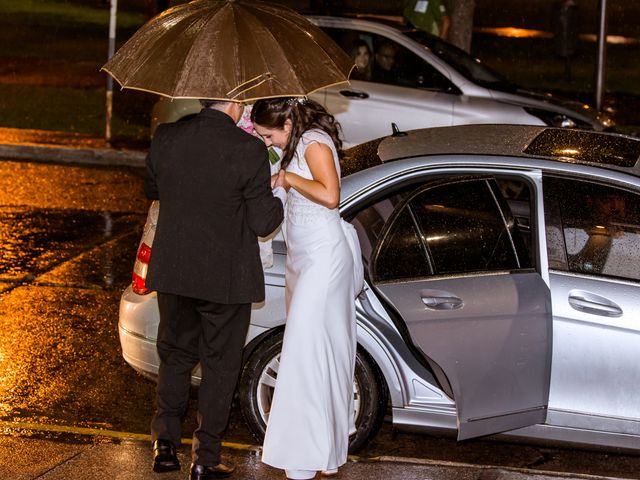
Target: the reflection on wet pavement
(61, 364)
(68, 237)
(107, 266)
(52, 213)
(34, 240)
(60, 359)
(60, 187)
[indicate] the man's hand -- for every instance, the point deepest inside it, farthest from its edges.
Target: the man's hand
(275, 179)
(280, 180)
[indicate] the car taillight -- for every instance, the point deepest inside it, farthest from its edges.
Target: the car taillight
(140, 267)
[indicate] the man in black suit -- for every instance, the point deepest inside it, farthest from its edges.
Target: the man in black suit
(213, 183)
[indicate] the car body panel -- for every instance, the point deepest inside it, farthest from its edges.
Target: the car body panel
(494, 349)
(400, 105)
(588, 345)
(355, 105)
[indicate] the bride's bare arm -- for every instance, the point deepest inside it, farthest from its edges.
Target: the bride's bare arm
(325, 186)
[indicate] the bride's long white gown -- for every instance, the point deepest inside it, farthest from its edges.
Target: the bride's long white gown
(312, 410)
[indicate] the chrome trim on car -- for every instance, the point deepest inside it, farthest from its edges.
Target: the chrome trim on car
(135, 334)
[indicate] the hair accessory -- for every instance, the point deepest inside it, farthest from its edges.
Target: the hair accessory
(296, 101)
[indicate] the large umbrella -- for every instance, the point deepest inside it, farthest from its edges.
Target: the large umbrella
(239, 50)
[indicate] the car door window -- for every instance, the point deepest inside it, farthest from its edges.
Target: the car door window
(455, 227)
(592, 228)
(402, 255)
(389, 62)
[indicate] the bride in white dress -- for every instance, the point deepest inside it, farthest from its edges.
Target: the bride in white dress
(312, 409)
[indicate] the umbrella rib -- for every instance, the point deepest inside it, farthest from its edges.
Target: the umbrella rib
(187, 55)
(270, 34)
(263, 77)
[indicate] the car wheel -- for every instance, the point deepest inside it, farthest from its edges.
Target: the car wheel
(258, 380)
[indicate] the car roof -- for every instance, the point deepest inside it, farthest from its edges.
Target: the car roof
(376, 22)
(389, 20)
(583, 147)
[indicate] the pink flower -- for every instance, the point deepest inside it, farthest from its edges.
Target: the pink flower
(245, 122)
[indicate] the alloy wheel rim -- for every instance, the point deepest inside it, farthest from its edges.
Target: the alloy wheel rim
(267, 383)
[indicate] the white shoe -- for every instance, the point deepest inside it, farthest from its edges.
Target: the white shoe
(329, 473)
(300, 474)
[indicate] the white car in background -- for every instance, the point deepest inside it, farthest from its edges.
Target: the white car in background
(436, 84)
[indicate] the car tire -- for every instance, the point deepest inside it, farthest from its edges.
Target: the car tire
(258, 379)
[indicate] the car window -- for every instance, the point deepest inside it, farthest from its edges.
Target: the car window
(460, 226)
(387, 61)
(468, 66)
(592, 228)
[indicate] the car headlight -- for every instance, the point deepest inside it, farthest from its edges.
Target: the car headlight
(555, 119)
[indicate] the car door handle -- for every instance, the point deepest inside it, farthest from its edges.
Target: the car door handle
(354, 94)
(442, 302)
(594, 304)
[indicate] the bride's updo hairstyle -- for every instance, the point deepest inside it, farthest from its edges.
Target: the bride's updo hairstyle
(304, 114)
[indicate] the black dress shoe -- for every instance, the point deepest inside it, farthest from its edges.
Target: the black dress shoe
(164, 456)
(202, 472)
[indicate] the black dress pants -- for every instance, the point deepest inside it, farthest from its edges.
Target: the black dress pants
(192, 331)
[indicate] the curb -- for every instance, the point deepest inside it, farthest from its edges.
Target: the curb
(86, 156)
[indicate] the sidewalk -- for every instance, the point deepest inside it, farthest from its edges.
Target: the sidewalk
(27, 455)
(65, 147)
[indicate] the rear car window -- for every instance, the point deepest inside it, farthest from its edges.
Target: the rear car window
(592, 228)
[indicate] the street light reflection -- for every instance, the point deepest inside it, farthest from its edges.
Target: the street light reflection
(568, 152)
(512, 32)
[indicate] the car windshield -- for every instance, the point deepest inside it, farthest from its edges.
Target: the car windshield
(471, 68)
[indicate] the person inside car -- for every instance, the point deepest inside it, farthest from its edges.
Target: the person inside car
(384, 68)
(361, 54)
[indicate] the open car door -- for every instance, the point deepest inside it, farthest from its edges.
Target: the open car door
(453, 263)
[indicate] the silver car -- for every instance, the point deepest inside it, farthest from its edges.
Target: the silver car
(434, 84)
(502, 290)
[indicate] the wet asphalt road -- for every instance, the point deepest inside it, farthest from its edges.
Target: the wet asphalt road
(68, 237)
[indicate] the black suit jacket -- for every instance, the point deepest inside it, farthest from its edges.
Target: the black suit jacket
(213, 183)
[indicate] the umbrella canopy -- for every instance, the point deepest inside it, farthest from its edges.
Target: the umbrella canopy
(240, 50)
